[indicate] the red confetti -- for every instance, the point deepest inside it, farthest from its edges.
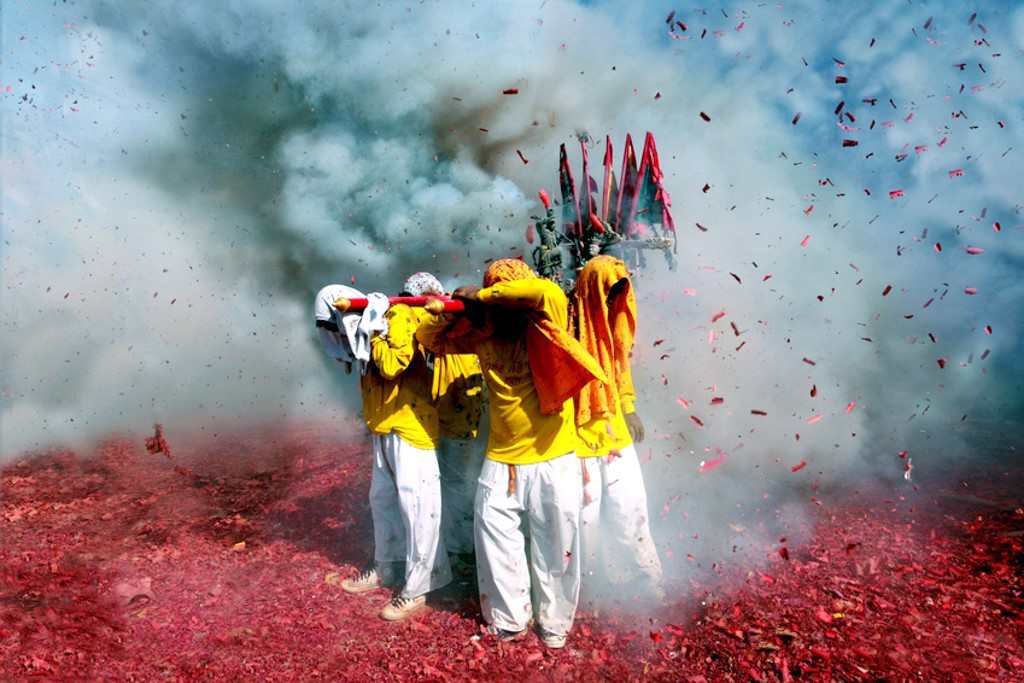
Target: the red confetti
(717, 400)
(841, 79)
(814, 419)
(510, 91)
(850, 406)
(885, 292)
(814, 390)
(809, 361)
(805, 240)
(697, 421)
(522, 158)
(956, 173)
(938, 248)
(755, 411)
(808, 210)
(970, 291)
(975, 250)
(988, 329)
(784, 553)
(799, 466)
(708, 465)
(942, 363)
(717, 316)
(850, 143)
(895, 194)
(705, 117)
(996, 226)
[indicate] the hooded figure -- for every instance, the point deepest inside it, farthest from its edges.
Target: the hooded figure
(405, 487)
(614, 528)
(516, 326)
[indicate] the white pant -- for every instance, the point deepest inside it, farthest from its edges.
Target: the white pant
(614, 526)
(546, 501)
(460, 463)
(405, 500)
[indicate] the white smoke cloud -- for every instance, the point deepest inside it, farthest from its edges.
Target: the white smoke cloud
(237, 156)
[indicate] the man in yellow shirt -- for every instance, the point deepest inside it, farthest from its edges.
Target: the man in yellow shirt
(614, 526)
(458, 393)
(516, 325)
(405, 488)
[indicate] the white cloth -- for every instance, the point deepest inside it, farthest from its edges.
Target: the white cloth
(460, 463)
(546, 497)
(405, 501)
(372, 323)
(615, 532)
(337, 345)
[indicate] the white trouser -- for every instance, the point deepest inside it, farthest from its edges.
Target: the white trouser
(460, 463)
(546, 497)
(405, 500)
(614, 526)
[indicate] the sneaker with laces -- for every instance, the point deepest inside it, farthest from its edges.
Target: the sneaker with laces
(503, 635)
(552, 640)
(400, 608)
(366, 581)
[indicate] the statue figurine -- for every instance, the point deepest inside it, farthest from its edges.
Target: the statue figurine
(547, 257)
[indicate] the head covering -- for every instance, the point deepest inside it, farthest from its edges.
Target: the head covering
(336, 344)
(606, 330)
(420, 284)
(507, 270)
(559, 364)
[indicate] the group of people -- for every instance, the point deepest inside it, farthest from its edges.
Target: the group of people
(558, 494)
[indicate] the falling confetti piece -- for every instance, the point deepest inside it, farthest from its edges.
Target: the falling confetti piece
(814, 419)
(850, 143)
(938, 248)
(809, 361)
(956, 173)
(755, 411)
(814, 390)
(809, 210)
(688, 291)
(988, 329)
(522, 158)
(717, 400)
(697, 421)
(805, 240)
(708, 465)
(895, 194)
(885, 292)
(683, 402)
(796, 118)
(996, 226)
(717, 316)
(975, 250)
(705, 117)
(799, 466)
(970, 291)
(510, 91)
(942, 363)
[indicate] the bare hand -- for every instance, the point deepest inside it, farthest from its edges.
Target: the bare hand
(467, 293)
(635, 426)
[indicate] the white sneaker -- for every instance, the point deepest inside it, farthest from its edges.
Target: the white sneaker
(503, 635)
(552, 640)
(400, 608)
(366, 581)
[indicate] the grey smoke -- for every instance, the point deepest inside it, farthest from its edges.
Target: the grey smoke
(234, 157)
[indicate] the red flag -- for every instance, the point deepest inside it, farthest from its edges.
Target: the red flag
(570, 206)
(585, 205)
(606, 192)
(627, 193)
(662, 204)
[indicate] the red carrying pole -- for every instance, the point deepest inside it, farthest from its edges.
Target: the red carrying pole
(441, 303)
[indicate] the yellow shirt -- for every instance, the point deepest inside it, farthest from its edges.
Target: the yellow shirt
(601, 436)
(520, 433)
(396, 386)
(458, 392)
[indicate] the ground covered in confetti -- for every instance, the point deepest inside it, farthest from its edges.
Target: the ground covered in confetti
(224, 562)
